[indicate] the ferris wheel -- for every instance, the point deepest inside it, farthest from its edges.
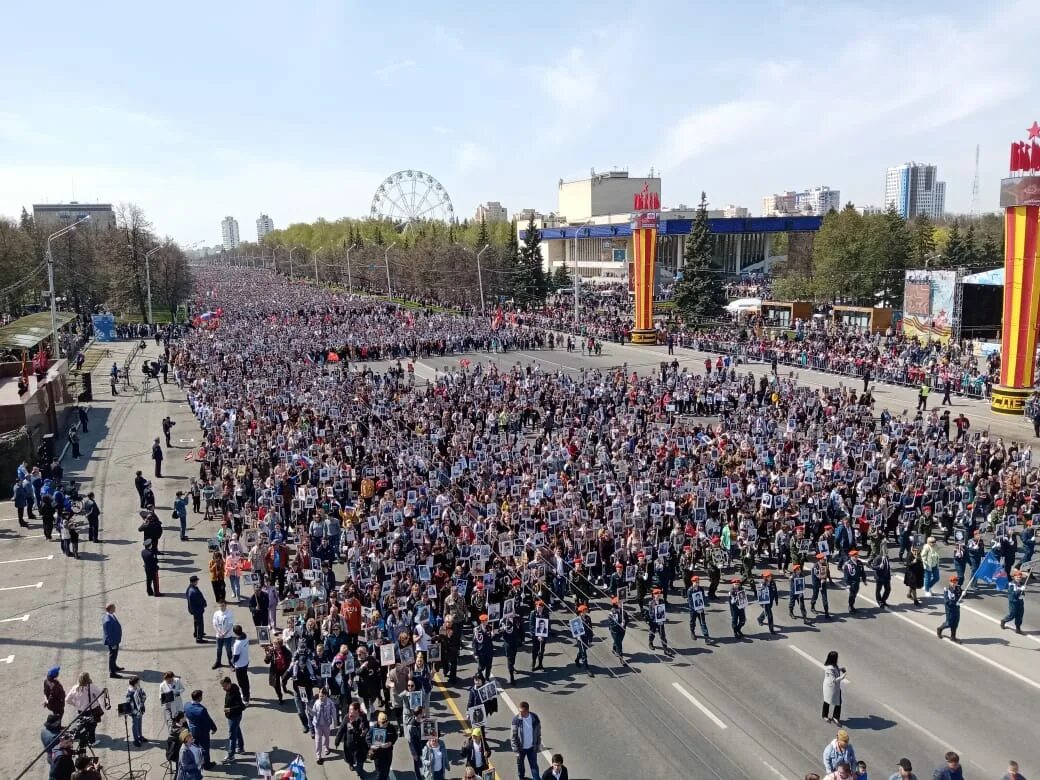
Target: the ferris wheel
(407, 197)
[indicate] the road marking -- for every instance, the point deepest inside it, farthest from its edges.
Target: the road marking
(806, 656)
(19, 587)
(8, 659)
(996, 664)
(23, 618)
(455, 708)
(774, 770)
(708, 713)
(186, 441)
(516, 711)
(28, 560)
(19, 538)
(917, 726)
(992, 619)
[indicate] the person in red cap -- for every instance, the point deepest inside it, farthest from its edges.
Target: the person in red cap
(483, 645)
(642, 580)
(540, 627)
(952, 607)
(513, 635)
(584, 639)
(616, 580)
(820, 577)
(797, 592)
(617, 624)
(855, 574)
(580, 585)
(737, 608)
(656, 618)
(696, 600)
(768, 596)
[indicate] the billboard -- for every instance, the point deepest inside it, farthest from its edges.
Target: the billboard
(928, 304)
(104, 327)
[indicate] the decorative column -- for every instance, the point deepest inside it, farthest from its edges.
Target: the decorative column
(1021, 304)
(644, 245)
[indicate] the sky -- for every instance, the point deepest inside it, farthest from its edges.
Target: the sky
(299, 110)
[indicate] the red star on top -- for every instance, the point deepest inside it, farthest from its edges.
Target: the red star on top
(1034, 131)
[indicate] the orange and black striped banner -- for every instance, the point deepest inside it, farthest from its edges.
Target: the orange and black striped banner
(644, 241)
(1021, 296)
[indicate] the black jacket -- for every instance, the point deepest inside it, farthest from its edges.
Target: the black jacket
(233, 706)
(151, 560)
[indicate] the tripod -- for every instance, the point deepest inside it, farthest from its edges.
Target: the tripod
(126, 730)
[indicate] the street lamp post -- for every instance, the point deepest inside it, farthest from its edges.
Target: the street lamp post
(480, 277)
(292, 275)
(148, 278)
(350, 281)
(386, 262)
(577, 278)
(55, 344)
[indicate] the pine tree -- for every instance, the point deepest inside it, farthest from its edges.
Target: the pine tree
(700, 294)
(531, 285)
(483, 239)
(561, 278)
(954, 254)
(970, 254)
(922, 239)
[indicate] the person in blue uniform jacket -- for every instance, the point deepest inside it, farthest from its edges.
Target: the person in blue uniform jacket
(200, 724)
(951, 604)
(1016, 597)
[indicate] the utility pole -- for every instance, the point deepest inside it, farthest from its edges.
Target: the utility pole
(55, 343)
(350, 281)
(386, 262)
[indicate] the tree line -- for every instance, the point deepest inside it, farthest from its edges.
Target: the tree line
(95, 266)
(429, 261)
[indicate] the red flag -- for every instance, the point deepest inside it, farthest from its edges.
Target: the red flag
(1035, 157)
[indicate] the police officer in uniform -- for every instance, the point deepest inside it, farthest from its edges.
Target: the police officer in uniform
(821, 579)
(697, 616)
(767, 606)
(951, 599)
(855, 575)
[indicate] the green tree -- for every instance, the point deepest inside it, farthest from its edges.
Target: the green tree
(483, 237)
(887, 250)
(992, 252)
(922, 241)
(839, 268)
(561, 279)
(531, 285)
(972, 251)
(955, 248)
(700, 294)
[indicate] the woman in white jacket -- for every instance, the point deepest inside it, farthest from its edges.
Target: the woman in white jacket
(832, 678)
(86, 697)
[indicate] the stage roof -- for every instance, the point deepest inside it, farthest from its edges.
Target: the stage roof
(27, 332)
(994, 278)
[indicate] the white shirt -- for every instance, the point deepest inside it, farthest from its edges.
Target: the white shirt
(176, 688)
(223, 623)
(240, 650)
(526, 733)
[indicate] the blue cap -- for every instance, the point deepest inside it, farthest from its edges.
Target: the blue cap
(53, 671)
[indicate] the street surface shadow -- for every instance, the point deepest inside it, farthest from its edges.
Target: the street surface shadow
(869, 723)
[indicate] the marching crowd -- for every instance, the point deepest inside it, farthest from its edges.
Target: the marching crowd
(380, 531)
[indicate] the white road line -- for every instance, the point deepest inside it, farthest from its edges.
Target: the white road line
(19, 587)
(693, 700)
(918, 726)
(516, 711)
(185, 441)
(774, 770)
(806, 656)
(992, 619)
(28, 560)
(968, 650)
(23, 618)
(8, 659)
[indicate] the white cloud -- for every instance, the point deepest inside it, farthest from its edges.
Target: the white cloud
(472, 157)
(718, 125)
(393, 68)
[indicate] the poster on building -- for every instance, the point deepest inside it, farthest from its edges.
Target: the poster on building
(928, 312)
(104, 327)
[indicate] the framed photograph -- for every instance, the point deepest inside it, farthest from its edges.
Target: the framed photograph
(741, 600)
(541, 627)
(435, 652)
(488, 692)
(263, 635)
(424, 573)
(488, 774)
(697, 601)
(577, 628)
(764, 596)
(476, 716)
(263, 764)
(428, 730)
(408, 655)
(326, 669)
(415, 700)
(386, 655)
(659, 613)
(798, 585)
(377, 737)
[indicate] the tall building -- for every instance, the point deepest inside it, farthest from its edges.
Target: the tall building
(58, 215)
(913, 188)
(779, 205)
(602, 194)
(229, 233)
(732, 211)
(264, 225)
(492, 211)
(817, 201)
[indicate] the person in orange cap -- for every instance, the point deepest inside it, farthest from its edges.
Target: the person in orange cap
(1016, 594)
(583, 640)
(952, 607)
(855, 574)
(483, 645)
(797, 592)
(616, 580)
(696, 600)
(656, 619)
(737, 608)
(768, 596)
(617, 624)
(820, 578)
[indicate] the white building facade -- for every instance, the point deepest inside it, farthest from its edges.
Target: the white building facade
(913, 188)
(264, 225)
(229, 233)
(492, 211)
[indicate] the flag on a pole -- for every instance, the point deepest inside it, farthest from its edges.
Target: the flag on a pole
(987, 571)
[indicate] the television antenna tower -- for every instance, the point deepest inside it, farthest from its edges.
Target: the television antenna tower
(975, 186)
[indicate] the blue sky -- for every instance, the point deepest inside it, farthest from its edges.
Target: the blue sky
(196, 110)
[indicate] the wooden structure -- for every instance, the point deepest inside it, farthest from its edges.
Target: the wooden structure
(864, 317)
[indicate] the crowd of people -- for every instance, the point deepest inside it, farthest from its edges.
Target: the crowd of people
(380, 531)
